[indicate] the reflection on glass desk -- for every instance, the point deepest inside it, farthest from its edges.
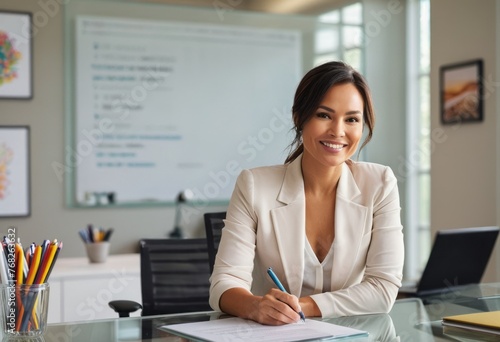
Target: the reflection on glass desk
(411, 319)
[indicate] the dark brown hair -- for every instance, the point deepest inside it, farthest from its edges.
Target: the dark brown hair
(311, 90)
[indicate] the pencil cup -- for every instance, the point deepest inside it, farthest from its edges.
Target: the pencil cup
(97, 251)
(24, 309)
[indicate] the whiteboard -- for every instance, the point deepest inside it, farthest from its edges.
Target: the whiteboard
(163, 106)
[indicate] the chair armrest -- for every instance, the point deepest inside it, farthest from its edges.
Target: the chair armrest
(124, 307)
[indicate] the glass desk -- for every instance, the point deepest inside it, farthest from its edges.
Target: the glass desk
(411, 319)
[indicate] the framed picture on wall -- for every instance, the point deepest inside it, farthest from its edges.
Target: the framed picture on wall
(16, 60)
(14, 171)
(461, 87)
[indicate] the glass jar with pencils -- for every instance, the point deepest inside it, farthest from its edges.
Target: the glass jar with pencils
(25, 309)
(24, 288)
(96, 242)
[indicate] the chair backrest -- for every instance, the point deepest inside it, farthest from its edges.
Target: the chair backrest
(174, 276)
(213, 228)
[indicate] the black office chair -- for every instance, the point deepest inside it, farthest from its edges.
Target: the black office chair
(213, 229)
(174, 278)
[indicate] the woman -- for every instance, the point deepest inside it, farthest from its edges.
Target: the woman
(328, 226)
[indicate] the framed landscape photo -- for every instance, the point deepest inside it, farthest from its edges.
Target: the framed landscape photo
(14, 171)
(461, 87)
(16, 60)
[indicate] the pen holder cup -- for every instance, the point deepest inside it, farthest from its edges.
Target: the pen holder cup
(97, 252)
(24, 309)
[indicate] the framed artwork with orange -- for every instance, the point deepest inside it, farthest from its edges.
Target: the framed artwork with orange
(461, 87)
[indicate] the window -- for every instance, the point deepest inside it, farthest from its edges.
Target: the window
(417, 228)
(425, 132)
(339, 36)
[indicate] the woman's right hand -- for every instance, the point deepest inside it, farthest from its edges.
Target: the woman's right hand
(275, 308)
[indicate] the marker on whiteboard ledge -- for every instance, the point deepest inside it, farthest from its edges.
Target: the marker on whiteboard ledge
(111, 197)
(98, 198)
(89, 199)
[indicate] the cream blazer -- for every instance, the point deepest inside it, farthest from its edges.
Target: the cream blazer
(265, 227)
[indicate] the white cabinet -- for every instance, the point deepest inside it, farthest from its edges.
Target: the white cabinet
(80, 290)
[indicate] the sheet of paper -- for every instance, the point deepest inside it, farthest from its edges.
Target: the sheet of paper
(237, 329)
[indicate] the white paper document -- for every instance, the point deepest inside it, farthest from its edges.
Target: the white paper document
(237, 329)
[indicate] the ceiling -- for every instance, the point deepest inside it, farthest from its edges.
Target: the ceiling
(309, 7)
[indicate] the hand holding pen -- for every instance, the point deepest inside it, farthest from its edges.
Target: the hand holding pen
(276, 281)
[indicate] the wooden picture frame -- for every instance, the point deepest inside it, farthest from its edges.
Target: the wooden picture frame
(16, 55)
(461, 87)
(15, 171)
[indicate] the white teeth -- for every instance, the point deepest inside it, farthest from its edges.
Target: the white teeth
(335, 146)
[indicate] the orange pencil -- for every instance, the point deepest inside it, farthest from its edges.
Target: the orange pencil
(50, 258)
(51, 266)
(41, 274)
(29, 281)
(35, 263)
(44, 263)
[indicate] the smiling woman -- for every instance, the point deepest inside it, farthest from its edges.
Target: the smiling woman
(295, 217)
(332, 134)
(312, 91)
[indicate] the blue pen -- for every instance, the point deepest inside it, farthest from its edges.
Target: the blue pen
(275, 279)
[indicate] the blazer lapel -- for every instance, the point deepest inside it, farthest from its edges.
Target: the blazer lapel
(289, 222)
(289, 227)
(350, 221)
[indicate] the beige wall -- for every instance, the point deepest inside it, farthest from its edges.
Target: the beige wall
(464, 172)
(497, 44)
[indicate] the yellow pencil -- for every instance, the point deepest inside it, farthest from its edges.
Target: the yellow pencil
(20, 264)
(29, 281)
(35, 263)
(44, 271)
(19, 257)
(46, 265)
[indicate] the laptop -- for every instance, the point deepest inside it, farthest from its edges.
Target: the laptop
(458, 257)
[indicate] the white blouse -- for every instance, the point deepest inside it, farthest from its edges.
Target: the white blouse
(317, 276)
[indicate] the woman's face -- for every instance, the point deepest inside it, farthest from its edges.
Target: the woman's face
(332, 134)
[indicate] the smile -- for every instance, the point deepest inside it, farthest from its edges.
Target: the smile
(334, 146)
